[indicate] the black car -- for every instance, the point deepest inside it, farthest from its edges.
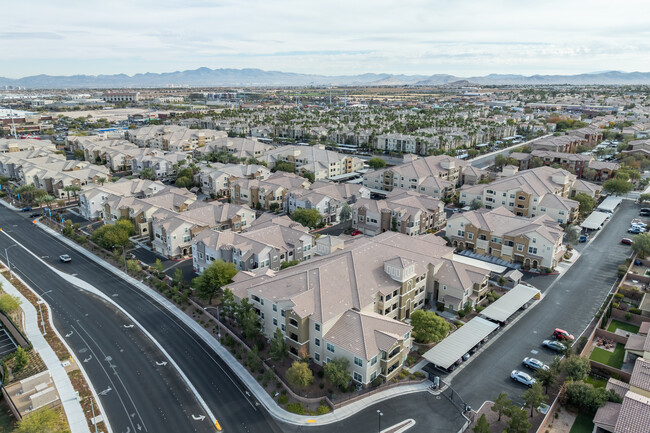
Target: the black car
(35, 215)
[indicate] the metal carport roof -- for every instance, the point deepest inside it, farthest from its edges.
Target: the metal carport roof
(595, 220)
(452, 348)
(509, 303)
(609, 204)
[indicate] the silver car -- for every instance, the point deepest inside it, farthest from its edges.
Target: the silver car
(535, 364)
(521, 377)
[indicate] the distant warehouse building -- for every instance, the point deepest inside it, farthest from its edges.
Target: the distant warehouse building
(121, 96)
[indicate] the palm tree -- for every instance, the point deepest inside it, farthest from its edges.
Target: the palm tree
(27, 190)
(101, 180)
(68, 189)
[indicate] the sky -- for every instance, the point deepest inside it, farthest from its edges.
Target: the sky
(413, 37)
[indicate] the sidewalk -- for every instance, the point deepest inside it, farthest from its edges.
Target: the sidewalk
(73, 411)
(253, 386)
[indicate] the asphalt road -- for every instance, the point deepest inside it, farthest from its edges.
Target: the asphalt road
(569, 302)
(124, 359)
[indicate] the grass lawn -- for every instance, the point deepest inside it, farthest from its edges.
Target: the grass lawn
(583, 424)
(616, 324)
(613, 359)
(597, 383)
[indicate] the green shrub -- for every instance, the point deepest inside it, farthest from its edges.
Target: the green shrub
(376, 382)
(615, 304)
(283, 399)
(419, 375)
(296, 408)
(458, 323)
(618, 296)
(440, 306)
(635, 311)
(323, 409)
(461, 313)
(628, 316)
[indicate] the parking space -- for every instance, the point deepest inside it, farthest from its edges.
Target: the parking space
(7, 344)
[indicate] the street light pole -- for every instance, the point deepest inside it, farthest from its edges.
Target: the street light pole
(379, 415)
(11, 276)
(39, 302)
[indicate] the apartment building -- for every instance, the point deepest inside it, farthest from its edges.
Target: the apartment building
(216, 180)
(12, 146)
(530, 193)
(435, 176)
(403, 143)
(172, 232)
(243, 148)
(561, 143)
(92, 198)
(573, 162)
(121, 96)
(326, 197)
(359, 315)
(640, 147)
(172, 138)
(115, 153)
(262, 248)
(321, 163)
(163, 166)
(532, 242)
(262, 193)
(405, 212)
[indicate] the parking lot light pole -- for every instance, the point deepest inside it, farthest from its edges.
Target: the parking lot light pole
(379, 415)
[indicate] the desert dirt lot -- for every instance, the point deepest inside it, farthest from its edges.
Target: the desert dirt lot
(114, 115)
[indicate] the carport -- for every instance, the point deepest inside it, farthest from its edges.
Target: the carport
(452, 348)
(610, 204)
(595, 220)
(509, 303)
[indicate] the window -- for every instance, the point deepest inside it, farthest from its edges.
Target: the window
(373, 376)
(470, 235)
(293, 322)
(317, 356)
(373, 361)
(275, 307)
(358, 377)
(317, 326)
(284, 328)
(317, 342)
(282, 313)
(330, 347)
(532, 250)
(358, 361)
(275, 322)
(461, 233)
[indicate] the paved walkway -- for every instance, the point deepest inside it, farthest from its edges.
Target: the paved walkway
(251, 383)
(72, 407)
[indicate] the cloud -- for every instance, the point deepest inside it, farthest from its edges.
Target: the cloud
(30, 35)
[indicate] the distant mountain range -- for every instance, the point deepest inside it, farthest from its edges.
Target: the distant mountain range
(207, 77)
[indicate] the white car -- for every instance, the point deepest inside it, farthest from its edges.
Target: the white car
(65, 258)
(535, 364)
(521, 377)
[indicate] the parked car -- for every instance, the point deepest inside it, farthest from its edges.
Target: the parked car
(535, 364)
(626, 241)
(35, 215)
(636, 230)
(644, 213)
(26, 209)
(521, 377)
(645, 209)
(582, 238)
(466, 356)
(561, 334)
(638, 222)
(554, 345)
(355, 233)
(65, 258)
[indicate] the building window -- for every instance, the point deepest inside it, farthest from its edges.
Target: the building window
(282, 313)
(330, 347)
(373, 376)
(284, 328)
(317, 356)
(275, 307)
(275, 322)
(358, 361)
(373, 361)
(532, 250)
(358, 377)
(293, 322)
(317, 341)
(317, 326)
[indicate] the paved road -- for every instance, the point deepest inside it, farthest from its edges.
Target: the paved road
(570, 302)
(141, 392)
(488, 159)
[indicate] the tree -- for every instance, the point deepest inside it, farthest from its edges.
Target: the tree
(502, 405)
(346, 212)
(482, 425)
(308, 175)
(571, 234)
(247, 320)
(644, 198)
(133, 266)
(476, 204)
(587, 203)
(44, 420)
(158, 266)
(306, 217)
(534, 396)
(576, 367)
(273, 207)
(215, 276)
(177, 278)
(547, 377)
(518, 421)
(147, 173)
(284, 166)
(617, 186)
(20, 359)
(336, 372)
(228, 304)
(254, 360)
(641, 244)
(8, 303)
(279, 349)
(428, 327)
(586, 397)
(184, 182)
(589, 173)
(500, 161)
(300, 375)
(376, 163)
(101, 180)
(44, 200)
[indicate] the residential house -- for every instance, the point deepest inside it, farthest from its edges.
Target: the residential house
(216, 180)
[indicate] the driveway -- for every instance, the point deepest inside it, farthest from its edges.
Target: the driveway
(570, 302)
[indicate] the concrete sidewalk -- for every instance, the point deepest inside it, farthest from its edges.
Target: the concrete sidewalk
(73, 411)
(255, 388)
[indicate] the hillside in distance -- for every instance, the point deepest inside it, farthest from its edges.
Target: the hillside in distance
(259, 78)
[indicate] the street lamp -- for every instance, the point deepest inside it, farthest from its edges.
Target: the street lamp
(379, 415)
(11, 276)
(39, 302)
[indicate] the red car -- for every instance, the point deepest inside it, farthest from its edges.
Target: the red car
(355, 233)
(626, 241)
(561, 334)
